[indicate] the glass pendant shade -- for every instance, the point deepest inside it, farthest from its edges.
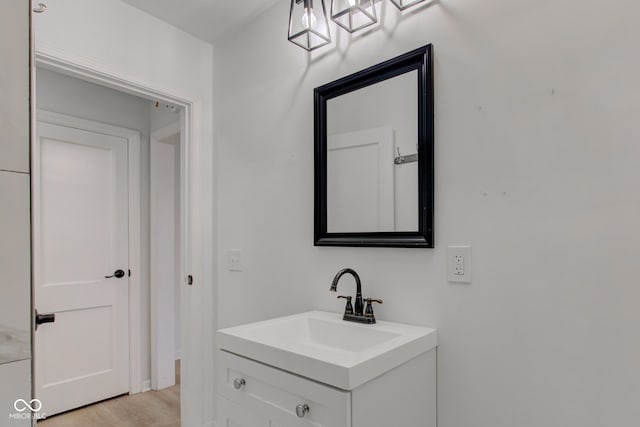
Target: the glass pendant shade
(353, 15)
(404, 4)
(308, 24)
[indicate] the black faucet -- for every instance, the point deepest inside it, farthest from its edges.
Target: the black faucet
(358, 314)
(358, 308)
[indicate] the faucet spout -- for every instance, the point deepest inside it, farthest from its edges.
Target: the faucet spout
(359, 304)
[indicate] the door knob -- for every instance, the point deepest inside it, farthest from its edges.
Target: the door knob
(302, 410)
(118, 274)
(44, 318)
(238, 383)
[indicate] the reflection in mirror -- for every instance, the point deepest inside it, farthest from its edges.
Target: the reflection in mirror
(366, 129)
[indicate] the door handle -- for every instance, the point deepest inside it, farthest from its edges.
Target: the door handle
(118, 274)
(44, 318)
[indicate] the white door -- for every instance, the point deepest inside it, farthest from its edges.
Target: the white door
(81, 236)
(360, 181)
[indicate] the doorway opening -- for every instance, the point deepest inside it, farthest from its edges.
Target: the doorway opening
(109, 205)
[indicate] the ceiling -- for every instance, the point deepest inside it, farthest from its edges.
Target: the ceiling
(205, 19)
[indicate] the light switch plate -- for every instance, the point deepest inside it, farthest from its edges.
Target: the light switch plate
(235, 260)
(459, 264)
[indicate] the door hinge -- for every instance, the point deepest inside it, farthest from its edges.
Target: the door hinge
(189, 280)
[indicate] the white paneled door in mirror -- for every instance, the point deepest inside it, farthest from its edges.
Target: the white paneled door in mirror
(81, 229)
(360, 183)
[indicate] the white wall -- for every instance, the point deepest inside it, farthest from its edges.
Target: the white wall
(163, 119)
(164, 251)
(66, 95)
(536, 167)
(126, 44)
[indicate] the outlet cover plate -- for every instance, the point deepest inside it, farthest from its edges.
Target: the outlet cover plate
(234, 261)
(459, 264)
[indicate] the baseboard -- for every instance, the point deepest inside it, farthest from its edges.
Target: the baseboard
(209, 424)
(146, 385)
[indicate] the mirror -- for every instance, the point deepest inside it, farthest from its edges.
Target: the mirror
(374, 155)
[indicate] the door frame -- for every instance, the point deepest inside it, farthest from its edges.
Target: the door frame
(158, 317)
(193, 348)
(134, 228)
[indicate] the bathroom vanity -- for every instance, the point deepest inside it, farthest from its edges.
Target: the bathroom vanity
(314, 369)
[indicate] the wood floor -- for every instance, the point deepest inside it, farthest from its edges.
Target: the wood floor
(152, 408)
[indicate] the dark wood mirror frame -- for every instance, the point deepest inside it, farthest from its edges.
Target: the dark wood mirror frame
(420, 60)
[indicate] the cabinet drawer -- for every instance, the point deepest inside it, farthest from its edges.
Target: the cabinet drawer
(275, 394)
(232, 415)
(15, 383)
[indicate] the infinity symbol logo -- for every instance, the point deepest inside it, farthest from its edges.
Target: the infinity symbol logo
(22, 405)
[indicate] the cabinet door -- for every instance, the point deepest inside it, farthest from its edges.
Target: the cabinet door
(14, 86)
(15, 392)
(231, 415)
(15, 266)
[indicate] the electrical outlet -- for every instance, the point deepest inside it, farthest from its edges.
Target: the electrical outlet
(459, 264)
(235, 260)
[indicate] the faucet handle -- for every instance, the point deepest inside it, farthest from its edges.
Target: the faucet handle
(348, 308)
(368, 311)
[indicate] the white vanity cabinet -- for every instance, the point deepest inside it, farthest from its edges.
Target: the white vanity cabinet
(15, 197)
(253, 394)
(314, 369)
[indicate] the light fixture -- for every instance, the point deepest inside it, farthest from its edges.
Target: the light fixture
(308, 25)
(404, 4)
(353, 15)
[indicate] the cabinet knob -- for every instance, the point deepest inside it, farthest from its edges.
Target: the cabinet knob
(302, 410)
(238, 383)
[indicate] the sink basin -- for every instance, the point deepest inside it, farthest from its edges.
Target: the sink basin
(323, 347)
